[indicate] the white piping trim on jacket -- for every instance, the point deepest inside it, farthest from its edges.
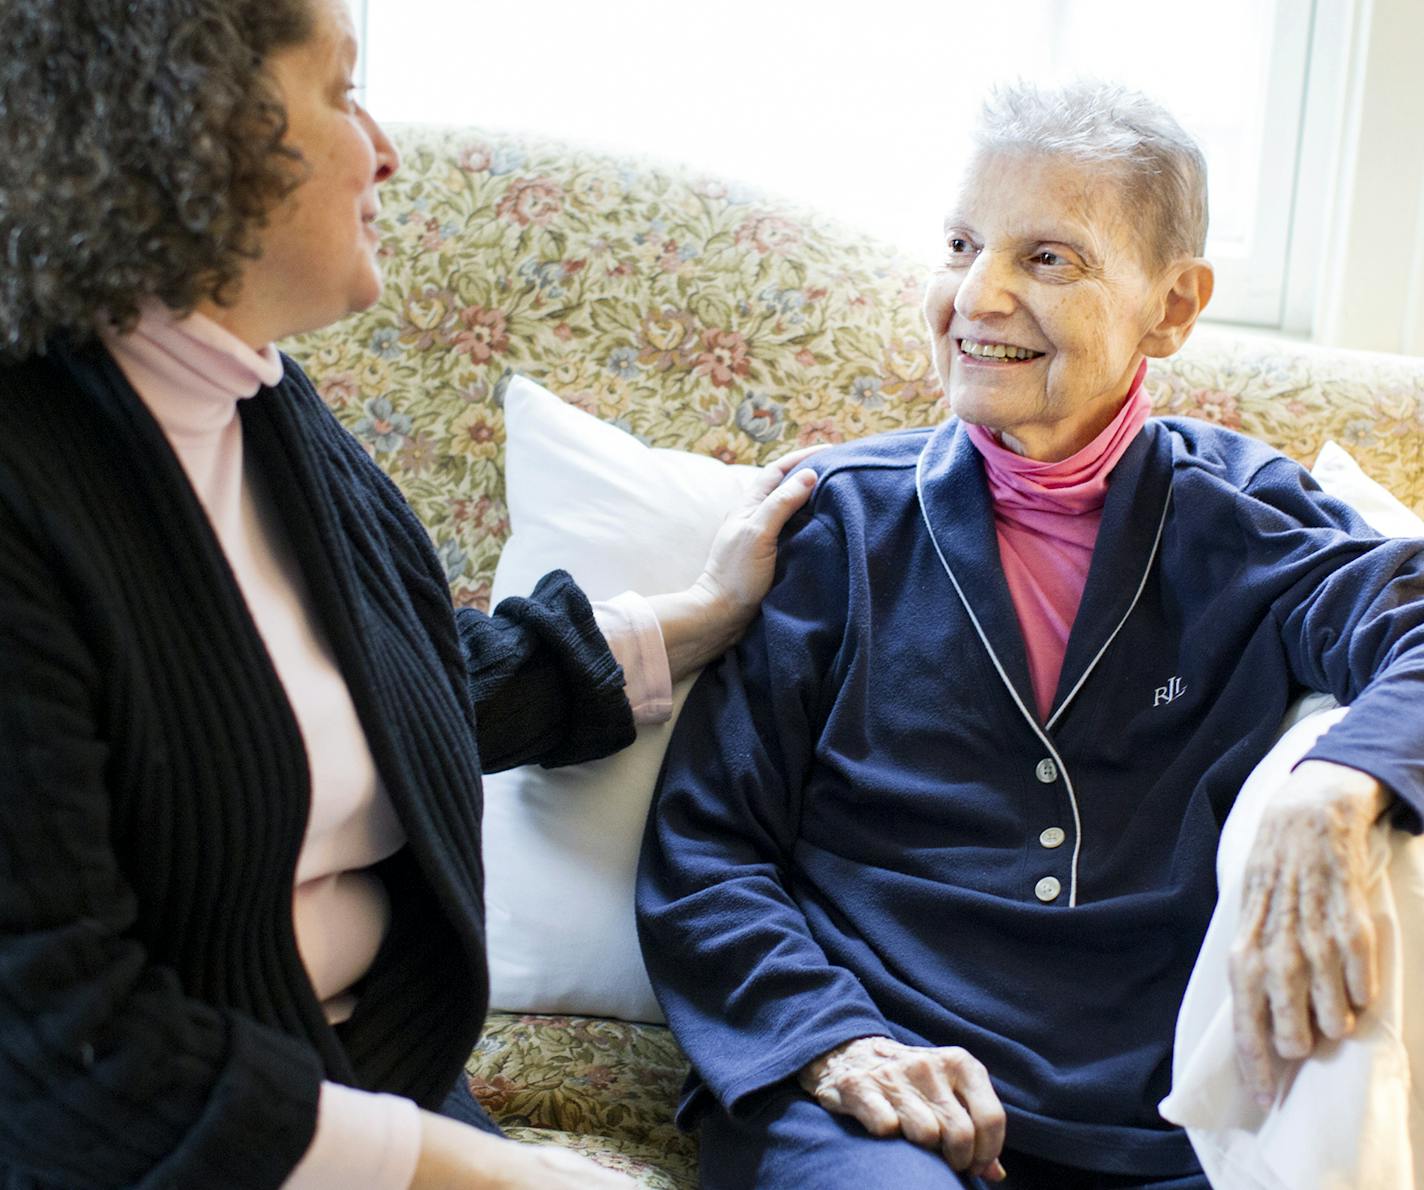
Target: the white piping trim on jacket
(1146, 570)
(1004, 677)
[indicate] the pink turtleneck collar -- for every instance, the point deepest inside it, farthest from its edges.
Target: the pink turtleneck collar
(1078, 483)
(190, 371)
(1046, 516)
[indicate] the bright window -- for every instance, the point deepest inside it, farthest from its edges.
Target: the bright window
(866, 116)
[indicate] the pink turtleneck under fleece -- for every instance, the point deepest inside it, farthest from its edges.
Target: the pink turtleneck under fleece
(1046, 516)
(191, 374)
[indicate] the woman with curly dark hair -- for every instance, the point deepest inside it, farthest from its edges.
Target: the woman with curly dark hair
(241, 728)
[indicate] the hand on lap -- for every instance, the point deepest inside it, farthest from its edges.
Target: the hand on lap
(939, 1098)
(1305, 960)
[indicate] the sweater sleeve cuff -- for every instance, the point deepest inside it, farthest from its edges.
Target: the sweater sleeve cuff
(362, 1139)
(740, 1093)
(636, 641)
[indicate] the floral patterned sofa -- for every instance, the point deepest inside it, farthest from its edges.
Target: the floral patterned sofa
(702, 315)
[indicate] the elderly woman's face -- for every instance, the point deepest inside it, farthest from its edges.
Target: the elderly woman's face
(1041, 302)
(318, 260)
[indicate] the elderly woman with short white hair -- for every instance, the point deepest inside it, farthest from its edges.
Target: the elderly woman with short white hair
(933, 850)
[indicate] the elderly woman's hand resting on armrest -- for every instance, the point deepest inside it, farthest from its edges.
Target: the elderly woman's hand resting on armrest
(1305, 963)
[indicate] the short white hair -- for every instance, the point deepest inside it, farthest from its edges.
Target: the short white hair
(1097, 123)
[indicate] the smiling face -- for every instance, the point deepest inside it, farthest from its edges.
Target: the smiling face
(318, 260)
(1043, 306)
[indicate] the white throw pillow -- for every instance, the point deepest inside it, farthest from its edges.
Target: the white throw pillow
(561, 845)
(1339, 475)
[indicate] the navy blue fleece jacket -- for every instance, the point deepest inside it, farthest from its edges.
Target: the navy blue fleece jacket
(863, 827)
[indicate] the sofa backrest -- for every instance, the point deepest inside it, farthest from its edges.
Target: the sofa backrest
(704, 316)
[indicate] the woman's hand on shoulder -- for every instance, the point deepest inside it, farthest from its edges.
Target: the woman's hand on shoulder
(742, 560)
(455, 1156)
(710, 616)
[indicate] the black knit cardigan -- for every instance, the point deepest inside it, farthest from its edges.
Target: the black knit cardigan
(157, 1026)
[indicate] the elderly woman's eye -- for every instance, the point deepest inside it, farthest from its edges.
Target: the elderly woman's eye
(1048, 258)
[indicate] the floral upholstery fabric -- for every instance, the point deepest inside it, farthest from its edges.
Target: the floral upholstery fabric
(1296, 397)
(701, 315)
(605, 1088)
(691, 312)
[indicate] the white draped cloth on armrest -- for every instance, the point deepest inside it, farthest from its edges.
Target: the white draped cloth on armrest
(1349, 1116)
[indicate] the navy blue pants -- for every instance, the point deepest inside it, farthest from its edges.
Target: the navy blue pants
(791, 1141)
(462, 1105)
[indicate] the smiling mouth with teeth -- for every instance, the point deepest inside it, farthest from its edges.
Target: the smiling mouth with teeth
(995, 351)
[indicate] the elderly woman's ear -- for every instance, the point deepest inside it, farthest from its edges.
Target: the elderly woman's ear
(1187, 292)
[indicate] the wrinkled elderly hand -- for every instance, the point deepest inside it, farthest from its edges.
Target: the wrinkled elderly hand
(1304, 963)
(939, 1098)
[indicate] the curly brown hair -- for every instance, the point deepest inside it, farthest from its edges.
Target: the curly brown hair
(142, 150)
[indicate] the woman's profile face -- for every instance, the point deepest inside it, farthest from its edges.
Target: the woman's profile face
(318, 260)
(1039, 306)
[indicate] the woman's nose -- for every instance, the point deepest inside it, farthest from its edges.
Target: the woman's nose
(986, 289)
(387, 155)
